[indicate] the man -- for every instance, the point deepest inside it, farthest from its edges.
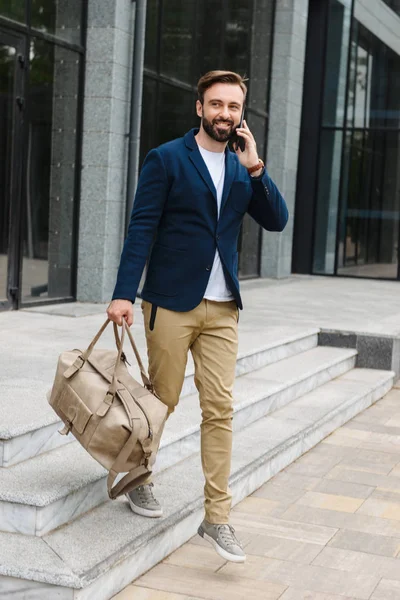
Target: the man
(191, 198)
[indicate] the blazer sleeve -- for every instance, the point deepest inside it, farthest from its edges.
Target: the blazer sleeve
(151, 194)
(267, 205)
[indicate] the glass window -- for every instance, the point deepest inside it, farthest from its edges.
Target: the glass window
(176, 109)
(394, 5)
(260, 55)
(359, 174)
(61, 18)
(151, 48)
(13, 9)
(50, 195)
(7, 102)
(327, 201)
(336, 63)
(209, 48)
(177, 39)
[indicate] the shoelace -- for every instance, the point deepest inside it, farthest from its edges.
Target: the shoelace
(146, 493)
(227, 535)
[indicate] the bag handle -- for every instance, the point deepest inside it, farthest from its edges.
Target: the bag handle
(145, 378)
(82, 358)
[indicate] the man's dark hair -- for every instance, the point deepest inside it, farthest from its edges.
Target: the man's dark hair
(213, 77)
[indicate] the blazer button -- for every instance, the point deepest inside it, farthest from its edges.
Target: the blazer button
(217, 238)
(208, 268)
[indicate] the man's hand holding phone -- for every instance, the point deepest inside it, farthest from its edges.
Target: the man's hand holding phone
(249, 156)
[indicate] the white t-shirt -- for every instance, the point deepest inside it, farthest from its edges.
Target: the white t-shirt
(216, 289)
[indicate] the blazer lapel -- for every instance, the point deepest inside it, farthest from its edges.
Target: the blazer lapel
(230, 172)
(200, 165)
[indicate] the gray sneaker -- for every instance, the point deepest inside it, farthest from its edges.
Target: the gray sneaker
(223, 538)
(142, 501)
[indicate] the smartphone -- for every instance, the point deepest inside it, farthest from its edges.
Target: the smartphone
(237, 140)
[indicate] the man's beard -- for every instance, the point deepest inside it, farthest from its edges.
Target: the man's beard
(216, 133)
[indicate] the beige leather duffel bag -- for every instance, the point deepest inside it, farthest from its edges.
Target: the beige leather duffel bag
(116, 419)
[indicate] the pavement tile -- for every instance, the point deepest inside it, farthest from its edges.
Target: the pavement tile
(342, 441)
(282, 528)
(373, 428)
(296, 482)
(341, 520)
(310, 577)
(200, 557)
(372, 479)
(366, 542)
(351, 430)
(298, 594)
(330, 502)
(210, 586)
(342, 488)
(381, 444)
(134, 592)
(387, 590)
(311, 469)
(359, 563)
(371, 461)
(380, 508)
(283, 549)
(252, 505)
(284, 494)
(395, 472)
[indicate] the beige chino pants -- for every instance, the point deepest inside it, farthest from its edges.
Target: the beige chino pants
(210, 332)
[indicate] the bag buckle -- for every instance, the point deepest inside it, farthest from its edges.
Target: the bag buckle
(76, 365)
(66, 429)
(105, 405)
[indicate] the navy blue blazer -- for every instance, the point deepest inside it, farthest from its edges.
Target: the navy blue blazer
(175, 217)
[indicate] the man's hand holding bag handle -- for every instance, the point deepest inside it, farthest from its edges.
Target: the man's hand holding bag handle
(118, 420)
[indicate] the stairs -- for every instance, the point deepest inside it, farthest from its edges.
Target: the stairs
(60, 537)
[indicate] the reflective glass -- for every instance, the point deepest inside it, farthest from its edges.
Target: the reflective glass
(336, 63)
(394, 5)
(62, 18)
(249, 248)
(13, 9)
(371, 215)
(260, 55)
(238, 27)
(327, 201)
(7, 81)
(151, 46)
(148, 135)
(50, 194)
(177, 39)
(209, 47)
(176, 110)
(374, 84)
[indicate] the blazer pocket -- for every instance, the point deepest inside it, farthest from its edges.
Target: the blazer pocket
(165, 272)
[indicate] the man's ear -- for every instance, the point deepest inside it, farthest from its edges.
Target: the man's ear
(199, 108)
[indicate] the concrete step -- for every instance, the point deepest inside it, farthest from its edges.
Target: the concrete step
(29, 427)
(123, 545)
(38, 495)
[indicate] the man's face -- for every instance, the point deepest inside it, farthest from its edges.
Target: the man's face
(221, 111)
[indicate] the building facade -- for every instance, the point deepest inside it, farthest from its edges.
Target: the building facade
(87, 88)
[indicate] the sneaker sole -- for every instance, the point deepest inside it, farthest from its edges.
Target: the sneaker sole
(223, 553)
(144, 512)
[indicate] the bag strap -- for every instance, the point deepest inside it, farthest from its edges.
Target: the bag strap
(145, 378)
(138, 474)
(83, 357)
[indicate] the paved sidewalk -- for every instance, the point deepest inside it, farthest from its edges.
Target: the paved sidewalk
(326, 528)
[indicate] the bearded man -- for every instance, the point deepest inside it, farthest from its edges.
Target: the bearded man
(192, 195)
